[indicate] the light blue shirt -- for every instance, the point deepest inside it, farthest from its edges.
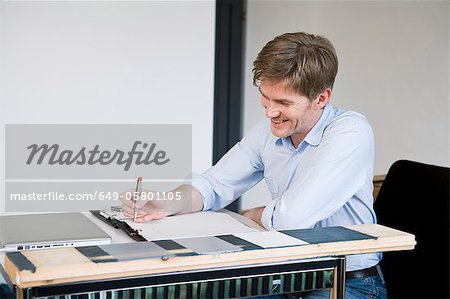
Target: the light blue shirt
(325, 181)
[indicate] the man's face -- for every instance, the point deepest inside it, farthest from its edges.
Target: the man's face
(291, 114)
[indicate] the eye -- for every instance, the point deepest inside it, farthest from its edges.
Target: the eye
(263, 102)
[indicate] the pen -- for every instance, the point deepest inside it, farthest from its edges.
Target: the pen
(137, 195)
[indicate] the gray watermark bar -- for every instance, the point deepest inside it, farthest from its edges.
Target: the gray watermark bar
(64, 151)
(62, 167)
(84, 196)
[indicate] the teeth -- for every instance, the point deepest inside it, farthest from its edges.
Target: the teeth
(278, 121)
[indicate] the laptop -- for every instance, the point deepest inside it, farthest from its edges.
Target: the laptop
(41, 231)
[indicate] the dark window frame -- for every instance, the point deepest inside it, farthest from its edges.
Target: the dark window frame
(228, 78)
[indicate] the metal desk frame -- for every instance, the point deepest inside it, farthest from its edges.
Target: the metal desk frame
(209, 276)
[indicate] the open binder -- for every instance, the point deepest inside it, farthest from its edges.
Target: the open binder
(118, 224)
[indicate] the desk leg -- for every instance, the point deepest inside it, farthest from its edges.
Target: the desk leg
(19, 294)
(23, 293)
(338, 291)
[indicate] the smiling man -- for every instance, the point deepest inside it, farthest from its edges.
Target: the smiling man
(317, 160)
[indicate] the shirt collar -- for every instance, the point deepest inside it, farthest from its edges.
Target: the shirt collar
(315, 135)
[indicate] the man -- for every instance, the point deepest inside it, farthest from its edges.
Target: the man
(317, 160)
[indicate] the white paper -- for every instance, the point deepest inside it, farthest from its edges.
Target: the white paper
(191, 225)
(270, 239)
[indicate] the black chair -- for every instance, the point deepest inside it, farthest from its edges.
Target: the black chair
(415, 198)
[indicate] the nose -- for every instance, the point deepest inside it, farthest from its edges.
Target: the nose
(272, 111)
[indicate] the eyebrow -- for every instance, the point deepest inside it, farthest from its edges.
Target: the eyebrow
(278, 100)
(260, 91)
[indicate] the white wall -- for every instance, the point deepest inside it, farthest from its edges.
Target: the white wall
(394, 68)
(144, 62)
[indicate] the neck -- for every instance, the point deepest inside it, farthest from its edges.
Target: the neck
(296, 139)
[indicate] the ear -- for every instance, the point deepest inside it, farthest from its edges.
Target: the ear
(322, 98)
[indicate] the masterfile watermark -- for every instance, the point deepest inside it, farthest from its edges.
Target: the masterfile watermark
(98, 151)
(53, 155)
(61, 167)
(96, 195)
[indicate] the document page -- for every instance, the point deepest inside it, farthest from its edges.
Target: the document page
(270, 239)
(201, 224)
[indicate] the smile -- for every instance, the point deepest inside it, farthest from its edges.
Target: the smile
(278, 121)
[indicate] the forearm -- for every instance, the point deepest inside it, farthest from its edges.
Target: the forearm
(255, 214)
(191, 200)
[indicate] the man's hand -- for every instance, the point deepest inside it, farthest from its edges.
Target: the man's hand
(255, 214)
(147, 209)
(153, 205)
